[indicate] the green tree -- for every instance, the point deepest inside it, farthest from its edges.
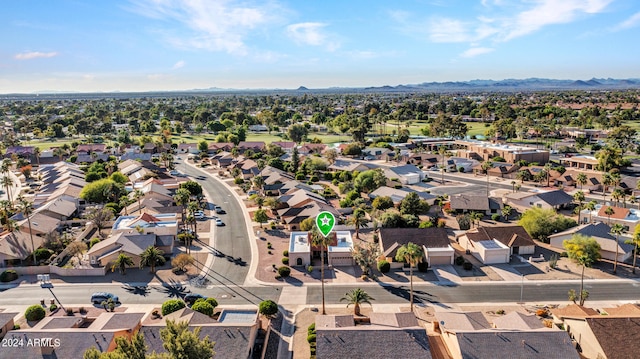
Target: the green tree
(193, 187)
(100, 217)
(581, 178)
(356, 297)
(635, 241)
(366, 256)
(180, 342)
(359, 220)
(370, 180)
(506, 212)
(412, 204)
(26, 208)
(609, 211)
(172, 305)
(381, 203)
(101, 191)
(579, 197)
(203, 146)
(181, 198)
(268, 308)
(297, 133)
(411, 254)
(585, 251)
(122, 262)
(203, 307)
(616, 229)
(260, 216)
(151, 257)
(486, 166)
(541, 222)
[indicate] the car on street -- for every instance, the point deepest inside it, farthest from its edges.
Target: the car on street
(199, 214)
(219, 222)
(99, 297)
(219, 210)
(191, 298)
(174, 173)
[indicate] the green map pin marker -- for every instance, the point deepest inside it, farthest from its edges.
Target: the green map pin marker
(325, 221)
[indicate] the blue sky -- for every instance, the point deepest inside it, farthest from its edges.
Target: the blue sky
(149, 45)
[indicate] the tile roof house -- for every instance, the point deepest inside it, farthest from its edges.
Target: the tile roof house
(372, 343)
(627, 217)
(517, 321)
(434, 242)
(287, 146)
(463, 203)
(572, 311)
(550, 199)
(6, 322)
(398, 194)
(215, 147)
(513, 344)
(255, 146)
(312, 148)
(338, 252)
(335, 321)
(351, 166)
(601, 232)
(406, 174)
(625, 310)
(497, 244)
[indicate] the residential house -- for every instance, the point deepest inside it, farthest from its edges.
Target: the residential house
(135, 171)
(292, 217)
(375, 153)
(601, 336)
(258, 128)
(483, 151)
(463, 203)
(165, 224)
(498, 169)
(312, 148)
(287, 146)
(601, 232)
(406, 174)
(627, 217)
(497, 244)
(216, 147)
(234, 333)
(70, 337)
(434, 242)
(423, 159)
(6, 322)
(398, 194)
(105, 252)
(389, 335)
(255, 146)
(191, 148)
(248, 168)
(272, 175)
(338, 253)
(556, 199)
(625, 310)
(222, 159)
(280, 188)
(579, 161)
(61, 208)
(20, 151)
(517, 321)
(89, 148)
(349, 166)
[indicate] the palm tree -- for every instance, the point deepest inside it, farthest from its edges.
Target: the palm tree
(607, 181)
(585, 251)
(411, 254)
(635, 241)
(442, 151)
(317, 239)
(476, 217)
(506, 212)
(591, 206)
(122, 262)
(26, 208)
(609, 212)
(36, 152)
(60, 152)
(579, 197)
(617, 195)
(137, 195)
(124, 203)
(152, 257)
(581, 178)
(616, 229)
(258, 183)
(181, 198)
(356, 297)
(486, 165)
(359, 220)
(547, 171)
(7, 182)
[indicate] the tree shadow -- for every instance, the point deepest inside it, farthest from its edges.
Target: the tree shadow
(173, 289)
(293, 281)
(142, 290)
(419, 296)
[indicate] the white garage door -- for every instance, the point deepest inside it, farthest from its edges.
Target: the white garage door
(435, 260)
(341, 261)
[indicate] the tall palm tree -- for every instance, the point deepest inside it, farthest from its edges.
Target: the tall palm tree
(181, 197)
(486, 165)
(617, 195)
(6, 207)
(607, 181)
(36, 153)
(617, 229)
(581, 178)
(585, 251)
(152, 257)
(609, 212)
(356, 297)
(317, 239)
(635, 241)
(138, 195)
(124, 203)
(359, 220)
(590, 206)
(411, 254)
(7, 182)
(579, 197)
(122, 262)
(26, 208)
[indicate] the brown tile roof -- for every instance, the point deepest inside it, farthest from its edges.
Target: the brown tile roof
(511, 236)
(628, 309)
(428, 237)
(518, 321)
(462, 321)
(334, 321)
(617, 337)
(396, 320)
(618, 213)
(574, 311)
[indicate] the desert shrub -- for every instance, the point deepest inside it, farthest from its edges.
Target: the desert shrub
(384, 266)
(500, 311)
(441, 223)
(34, 313)
(172, 305)
(43, 254)
(495, 217)
(314, 178)
(93, 242)
(269, 245)
(70, 312)
(268, 308)
(423, 266)
(82, 310)
(273, 225)
(8, 275)
(238, 180)
(284, 271)
(53, 307)
(542, 313)
(564, 255)
(553, 261)
(285, 253)
(310, 269)
(311, 338)
(467, 266)
(311, 329)
(285, 261)
(16, 327)
(459, 260)
(203, 307)
(212, 301)
(464, 221)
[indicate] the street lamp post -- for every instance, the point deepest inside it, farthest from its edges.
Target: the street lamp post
(45, 282)
(521, 286)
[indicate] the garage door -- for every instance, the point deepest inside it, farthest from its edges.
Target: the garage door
(435, 260)
(341, 261)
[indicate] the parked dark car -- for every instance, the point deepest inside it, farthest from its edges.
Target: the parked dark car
(99, 297)
(192, 297)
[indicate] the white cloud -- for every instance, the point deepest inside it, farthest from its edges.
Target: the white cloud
(178, 65)
(34, 55)
(550, 12)
(632, 21)
(449, 30)
(475, 51)
(311, 33)
(221, 25)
